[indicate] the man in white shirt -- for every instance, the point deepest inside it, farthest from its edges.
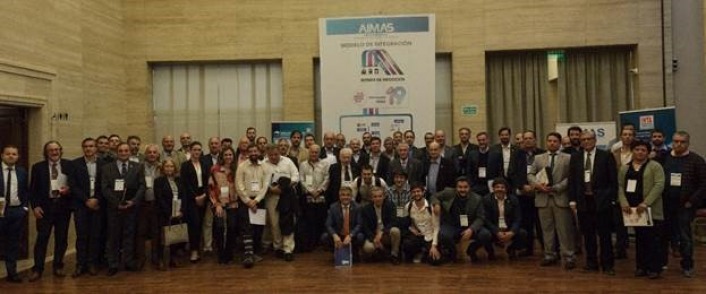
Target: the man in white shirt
(279, 166)
(314, 178)
(422, 240)
(252, 179)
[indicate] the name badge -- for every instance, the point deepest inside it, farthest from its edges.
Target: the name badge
(309, 181)
(254, 186)
(225, 191)
(134, 159)
(92, 185)
(501, 223)
(347, 184)
(176, 205)
(401, 212)
(149, 182)
(587, 176)
(463, 219)
(675, 179)
(631, 187)
(481, 172)
(529, 168)
(490, 185)
(119, 185)
(55, 185)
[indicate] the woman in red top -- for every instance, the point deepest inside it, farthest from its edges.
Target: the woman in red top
(224, 199)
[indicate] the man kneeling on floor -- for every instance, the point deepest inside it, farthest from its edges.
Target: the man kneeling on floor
(502, 218)
(382, 233)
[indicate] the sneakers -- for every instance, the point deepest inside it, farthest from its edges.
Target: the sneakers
(688, 273)
(248, 261)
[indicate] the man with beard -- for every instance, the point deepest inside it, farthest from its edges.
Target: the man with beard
(252, 179)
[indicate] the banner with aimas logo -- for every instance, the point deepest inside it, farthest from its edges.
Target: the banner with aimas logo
(377, 74)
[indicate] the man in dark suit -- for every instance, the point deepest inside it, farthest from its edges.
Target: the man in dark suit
(462, 151)
(521, 160)
(358, 156)
(123, 187)
(88, 213)
(209, 160)
(446, 150)
(342, 224)
(574, 135)
(341, 174)
(380, 227)
(330, 152)
(409, 138)
(404, 163)
(593, 191)
(51, 202)
(439, 172)
(376, 159)
(478, 165)
(15, 202)
(500, 155)
(423, 153)
(503, 217)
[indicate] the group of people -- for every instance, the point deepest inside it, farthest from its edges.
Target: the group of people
(387, 199)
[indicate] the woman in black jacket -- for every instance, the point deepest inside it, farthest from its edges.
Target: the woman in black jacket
(169, 193)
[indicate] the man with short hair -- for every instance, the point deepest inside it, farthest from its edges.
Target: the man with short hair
(446, 151)
(380, 228)
(329, 152)
(623, 156)
(314, 178)
(462, 218)
(684, 192)
(296, 149)
(50, 198)
(252, 179)
(147, 222)
(379, 162)
(593, 190)
(341, 174)
(398, 194)
(341, 140)
(503, 217)
(520, 164)
(477, 167)
(412, 167)
(104, 148)
(359, 156)
(169, 152)
(500, 155)
(409, 138)
(462, 151)
(14, 208)
(573, 135)
(439, 172)
(389, 151)
(364, 184)
(281, 167)
(123, 186)
(424, 152)
(659, 150)
(185, 141)
(309, 140)
(226, 143)
(134, 142)
(343, 227)
(251, 134)
(423, 237)
(549, 175)
(366, 141)
(113, 141)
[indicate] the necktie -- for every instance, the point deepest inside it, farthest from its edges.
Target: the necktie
(54, 176)
(346, 222)
(550, 174)
(123, 170)
(587, 167)
(347, 175)
(8, 185)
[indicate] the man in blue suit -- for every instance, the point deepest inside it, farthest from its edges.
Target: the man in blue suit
(13, 184)
(342, 224)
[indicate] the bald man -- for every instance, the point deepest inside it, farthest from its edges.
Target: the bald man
(169, 152)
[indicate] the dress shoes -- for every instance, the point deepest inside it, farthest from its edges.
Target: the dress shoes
(59, 273)
(35, 276)
(14, 279)
(80, 271)
(112, 271)
(569, 265)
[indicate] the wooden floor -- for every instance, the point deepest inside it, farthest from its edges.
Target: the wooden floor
(314, 272)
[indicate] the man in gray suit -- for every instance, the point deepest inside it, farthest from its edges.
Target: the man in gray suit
(123, 186)
(549, 175)
(403, 163)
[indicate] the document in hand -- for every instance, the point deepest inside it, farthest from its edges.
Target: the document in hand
(257, 218)
(343, 257)
(633, 219)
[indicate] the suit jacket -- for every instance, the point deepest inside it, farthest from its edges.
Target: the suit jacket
(364, 157)
(207, 161)
(82, 181)
(413, 170)
(40, 183)
(421, 154)
(512, 213)
(322, 153)
(448, 152)
(334, 177)
(461, 158)
(518, 167)
(495, 162)
(22, 186)
(414, 152)
(191, 182)
(369, 220)
(604, 181)
(334, 220)
(383, 167)
(478, 184)
(560, 178)
(447, 173)
(652, 187)
(474, 209)
(134, 183)
(163, 196)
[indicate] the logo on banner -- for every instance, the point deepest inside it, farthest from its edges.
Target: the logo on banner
(379, 61)
(396, 95)
(376, 28)
(358, 97)
(647, 122)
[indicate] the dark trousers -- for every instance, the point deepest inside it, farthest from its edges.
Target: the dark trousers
(194, 221)
(251, 234)
(224, 234)
(56, 215)
(450, 235)
(621, 231)
(121, 237)
(671, 226)
(596, 227)
(686, 239)
(413, 244)
(89, 228)
(147, 227)
(11, 226)
(518, 241)
(313, 222)
(648, 248)
(529, 222)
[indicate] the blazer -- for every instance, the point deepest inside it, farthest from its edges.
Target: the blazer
(447, 173)
(474, 209)
(22, 186)
(163, 196)
(82, 181)
(461, 158)
(334, 177)
(448, 152)
(604, 181)
(134, 183)
(479, 185)
(383, 168)
(322, 153)
(369, 219)
(364, 157)
(512, 213)
(560, 178)
(187, 173)
(40, 183)
(415, 152)
(413, 170)
(334, 220)
(652, 187)
(495, 162)
(518, 167)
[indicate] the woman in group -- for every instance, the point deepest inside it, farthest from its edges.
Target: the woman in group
(194, 177)
(224, 198)
(641, 184)
(168, 193)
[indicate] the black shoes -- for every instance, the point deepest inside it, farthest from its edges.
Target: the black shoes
(111, 272)
(288, 257)
(14, 279)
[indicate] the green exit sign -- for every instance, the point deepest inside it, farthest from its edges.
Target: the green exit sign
(470, 110)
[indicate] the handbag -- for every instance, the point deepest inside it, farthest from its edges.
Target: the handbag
(175, 234)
